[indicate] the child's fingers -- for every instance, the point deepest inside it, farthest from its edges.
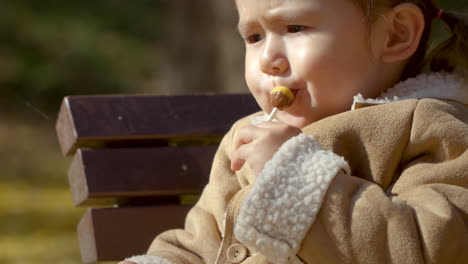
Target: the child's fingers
(247, 134)
(238, 157)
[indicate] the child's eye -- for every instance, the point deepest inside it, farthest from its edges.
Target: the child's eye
(295, 28)
(254, 38)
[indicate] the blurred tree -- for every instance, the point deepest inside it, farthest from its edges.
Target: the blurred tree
(201, 48)
(188, 59)
(52, 48)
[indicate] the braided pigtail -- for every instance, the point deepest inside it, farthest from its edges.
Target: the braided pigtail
(454, 51)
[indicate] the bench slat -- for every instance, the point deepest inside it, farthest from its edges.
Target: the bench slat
(149, 154)
(111, 234)
(116, 176)
(90, 121)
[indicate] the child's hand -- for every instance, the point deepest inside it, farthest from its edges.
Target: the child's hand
(257, 144)
(126, 262)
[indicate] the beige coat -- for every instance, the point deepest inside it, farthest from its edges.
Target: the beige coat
(386, 182)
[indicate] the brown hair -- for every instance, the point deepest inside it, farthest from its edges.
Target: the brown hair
(445, 57)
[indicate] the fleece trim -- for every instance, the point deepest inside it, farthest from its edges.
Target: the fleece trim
(147, 259)
(284, 201)
(440, 85)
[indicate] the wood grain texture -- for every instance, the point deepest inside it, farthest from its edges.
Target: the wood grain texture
(122, 176)
(111, 234)
(96, 121)
(144, 153)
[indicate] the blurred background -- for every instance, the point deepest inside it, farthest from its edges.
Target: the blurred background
(50, 49)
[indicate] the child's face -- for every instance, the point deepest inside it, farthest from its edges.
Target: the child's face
(317, 47)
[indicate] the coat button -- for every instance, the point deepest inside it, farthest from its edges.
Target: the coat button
(236, 253)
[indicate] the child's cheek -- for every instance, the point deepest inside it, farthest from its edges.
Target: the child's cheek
(309, 61)
(254, 82)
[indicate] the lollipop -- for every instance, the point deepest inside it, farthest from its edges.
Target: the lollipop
(281, 98)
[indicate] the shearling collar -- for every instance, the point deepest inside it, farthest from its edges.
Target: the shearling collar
(440, 85)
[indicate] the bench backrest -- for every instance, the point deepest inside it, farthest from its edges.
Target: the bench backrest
(140, 162)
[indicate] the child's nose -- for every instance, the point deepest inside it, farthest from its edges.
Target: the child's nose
(273, 60)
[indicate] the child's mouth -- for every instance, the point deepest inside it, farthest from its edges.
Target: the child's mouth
(294, 92)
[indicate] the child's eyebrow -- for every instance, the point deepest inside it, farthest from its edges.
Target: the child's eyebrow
(244, 26)
(291, 13)
(283, 14)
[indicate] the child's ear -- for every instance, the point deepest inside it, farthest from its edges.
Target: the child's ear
(405, 24)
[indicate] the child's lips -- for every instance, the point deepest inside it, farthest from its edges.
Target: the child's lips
(294, 92)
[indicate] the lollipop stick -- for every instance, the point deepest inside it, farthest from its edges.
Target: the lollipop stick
(272, 114)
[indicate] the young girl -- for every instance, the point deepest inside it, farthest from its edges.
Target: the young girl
(337, 180)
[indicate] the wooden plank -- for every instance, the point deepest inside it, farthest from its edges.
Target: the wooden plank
(110, 234)
(117, 176)
(89, 121)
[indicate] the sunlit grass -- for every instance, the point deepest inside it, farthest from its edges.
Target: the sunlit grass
(25, 208)
(37, 216)
(40, 247)
(37, 225)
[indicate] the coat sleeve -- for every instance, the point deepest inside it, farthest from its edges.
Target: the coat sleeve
(411, 207)
(202, 235)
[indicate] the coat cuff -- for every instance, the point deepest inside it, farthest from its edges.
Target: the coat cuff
(147, 259)
(284, 201)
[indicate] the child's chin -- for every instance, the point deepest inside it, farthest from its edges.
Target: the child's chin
(294, 120)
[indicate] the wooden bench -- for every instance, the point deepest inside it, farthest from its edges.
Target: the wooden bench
(140, 162)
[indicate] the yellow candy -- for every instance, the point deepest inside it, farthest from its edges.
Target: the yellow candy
(281, 97)
(283, 90)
